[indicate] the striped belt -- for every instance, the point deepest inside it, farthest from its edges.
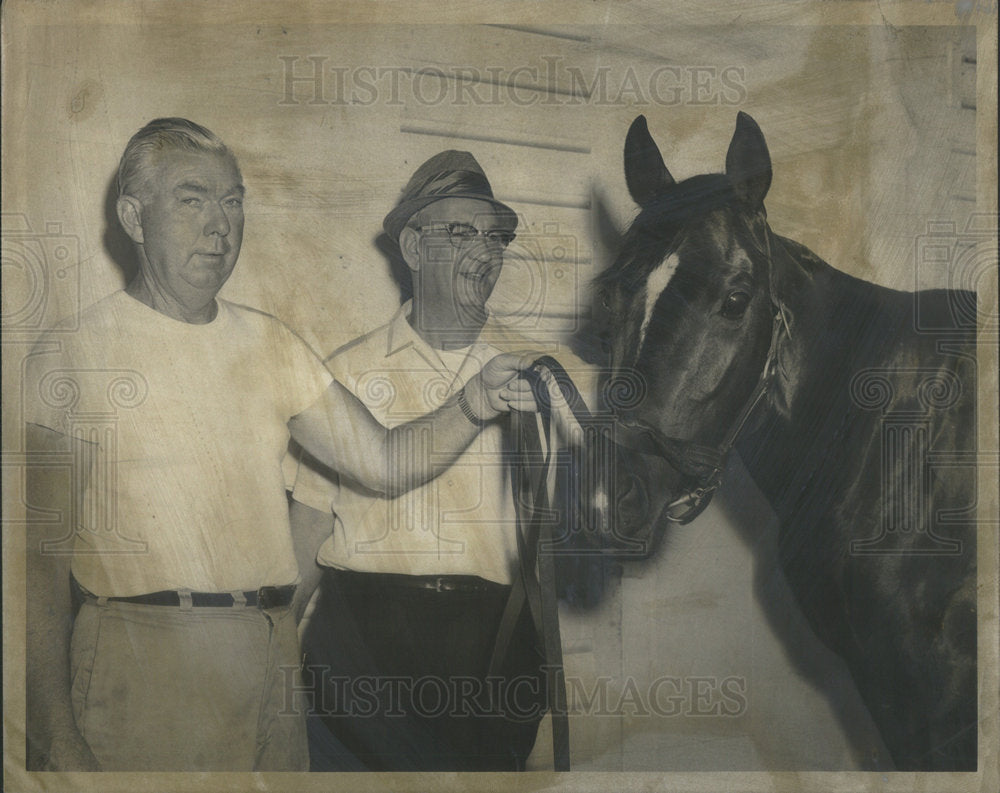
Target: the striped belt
(267, 597)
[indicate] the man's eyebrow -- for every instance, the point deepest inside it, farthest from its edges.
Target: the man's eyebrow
(194, 187)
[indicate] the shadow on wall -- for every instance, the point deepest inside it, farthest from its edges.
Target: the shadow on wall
(748, 511)
(397, 266)
(117, 244)
(591, 339)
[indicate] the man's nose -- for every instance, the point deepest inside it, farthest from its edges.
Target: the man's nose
(217, 221)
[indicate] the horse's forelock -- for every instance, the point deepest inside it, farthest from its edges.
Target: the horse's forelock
(655, 232)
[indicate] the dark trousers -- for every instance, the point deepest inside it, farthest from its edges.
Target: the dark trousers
(399, 676)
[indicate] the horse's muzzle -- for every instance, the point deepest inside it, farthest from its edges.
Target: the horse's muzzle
(620, 479)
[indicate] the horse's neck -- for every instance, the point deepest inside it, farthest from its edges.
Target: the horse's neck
(832, 320)
(836, 324)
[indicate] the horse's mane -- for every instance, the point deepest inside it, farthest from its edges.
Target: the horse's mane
(654, 232)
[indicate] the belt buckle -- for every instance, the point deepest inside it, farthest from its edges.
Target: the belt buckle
(266, 597)
(438, 584)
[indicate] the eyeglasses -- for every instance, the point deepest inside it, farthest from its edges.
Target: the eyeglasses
(461, 233)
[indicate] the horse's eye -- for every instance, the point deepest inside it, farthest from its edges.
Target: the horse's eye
(735, 305)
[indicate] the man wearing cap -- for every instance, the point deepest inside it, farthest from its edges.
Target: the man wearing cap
(158, 422)
(413, 588)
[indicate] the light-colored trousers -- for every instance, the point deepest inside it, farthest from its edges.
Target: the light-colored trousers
(160, 688)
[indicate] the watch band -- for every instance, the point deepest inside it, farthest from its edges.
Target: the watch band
(467, 410)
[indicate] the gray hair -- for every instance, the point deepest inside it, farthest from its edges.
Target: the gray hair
(134, 170)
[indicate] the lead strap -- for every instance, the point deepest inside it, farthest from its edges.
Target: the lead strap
(529, 484)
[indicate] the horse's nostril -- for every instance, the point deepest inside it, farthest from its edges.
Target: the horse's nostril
(632, 496)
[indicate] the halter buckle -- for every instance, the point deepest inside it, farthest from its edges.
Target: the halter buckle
(694, 501)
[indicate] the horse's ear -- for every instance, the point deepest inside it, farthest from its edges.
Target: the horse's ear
(748, 164)
(645, 174)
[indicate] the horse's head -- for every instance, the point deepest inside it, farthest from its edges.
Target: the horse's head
(692, 306)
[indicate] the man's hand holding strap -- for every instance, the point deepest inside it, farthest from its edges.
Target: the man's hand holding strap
(498, 388)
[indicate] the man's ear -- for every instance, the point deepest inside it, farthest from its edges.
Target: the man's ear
(130, 216)
(409, 246)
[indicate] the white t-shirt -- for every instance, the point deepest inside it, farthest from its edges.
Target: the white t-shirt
(189, 423)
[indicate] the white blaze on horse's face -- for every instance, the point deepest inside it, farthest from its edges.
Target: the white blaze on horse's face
(656, 283)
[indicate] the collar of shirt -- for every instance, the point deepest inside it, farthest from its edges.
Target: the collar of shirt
(402, 336)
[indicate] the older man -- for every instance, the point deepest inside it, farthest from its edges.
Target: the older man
(174, 407)
(400, 641)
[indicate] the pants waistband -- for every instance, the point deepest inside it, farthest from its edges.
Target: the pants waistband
(433, 583)
(267, 597)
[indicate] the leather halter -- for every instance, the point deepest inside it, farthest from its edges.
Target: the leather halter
(701, 463)
(704, 464)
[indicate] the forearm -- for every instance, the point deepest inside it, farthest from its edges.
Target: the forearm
(414, 453)
(54, 742)
(49, 626)
(49, 609)
(341, 433)
(310, 528)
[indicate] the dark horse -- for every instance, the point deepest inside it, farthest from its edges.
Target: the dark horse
(852, 407)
